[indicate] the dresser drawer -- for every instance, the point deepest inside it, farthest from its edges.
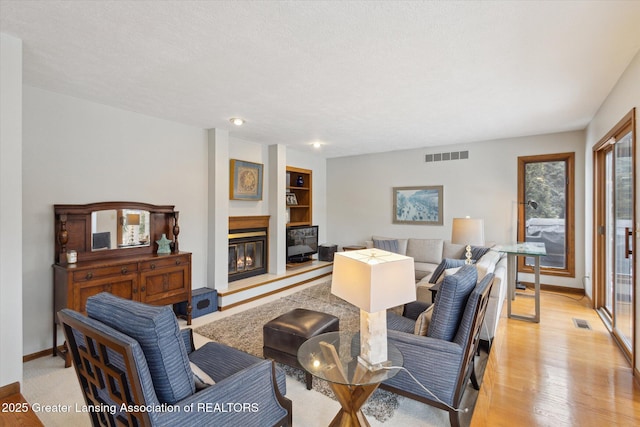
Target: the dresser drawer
(100, 272)
(162, 262)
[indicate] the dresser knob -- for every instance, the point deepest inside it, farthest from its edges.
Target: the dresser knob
(124, 270)
(89, 275)
(142, 289)
(178, 262)
(153, 266)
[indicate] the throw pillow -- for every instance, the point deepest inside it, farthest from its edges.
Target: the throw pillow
(446, 263)
(422, 322)
(386, 245)
(450, 303)
(477, 252)
(200, 377)
(156, 330)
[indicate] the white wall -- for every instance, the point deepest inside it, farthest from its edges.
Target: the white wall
(76, 151)
(484, 186)
(624, 96)
(10, 210)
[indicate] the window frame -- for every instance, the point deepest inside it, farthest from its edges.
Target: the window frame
(569, 159)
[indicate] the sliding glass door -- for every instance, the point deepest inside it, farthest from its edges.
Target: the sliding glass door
(614, 240)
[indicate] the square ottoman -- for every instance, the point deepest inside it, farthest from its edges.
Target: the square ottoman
(283, 335)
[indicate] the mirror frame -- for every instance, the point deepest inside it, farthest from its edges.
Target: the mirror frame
(73, 230)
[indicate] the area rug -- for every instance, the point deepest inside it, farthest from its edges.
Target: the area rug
(244, 331)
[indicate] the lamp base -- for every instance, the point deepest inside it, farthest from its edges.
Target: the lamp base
(372, 367)
(468, 255)
(373, 338)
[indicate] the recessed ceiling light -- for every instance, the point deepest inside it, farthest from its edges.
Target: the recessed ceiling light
(317, 144)
(237, 121)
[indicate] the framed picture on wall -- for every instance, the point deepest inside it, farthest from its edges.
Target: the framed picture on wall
(418, 205)
(245, 181)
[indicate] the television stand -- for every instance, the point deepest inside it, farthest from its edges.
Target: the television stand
(299, 260)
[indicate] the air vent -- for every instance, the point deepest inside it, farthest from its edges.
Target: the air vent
(581, 324)
(442, 157)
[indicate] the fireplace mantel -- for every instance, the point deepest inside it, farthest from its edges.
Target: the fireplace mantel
(244, 222)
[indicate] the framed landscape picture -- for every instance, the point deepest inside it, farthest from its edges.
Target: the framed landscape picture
(418, 205)
(246, 180)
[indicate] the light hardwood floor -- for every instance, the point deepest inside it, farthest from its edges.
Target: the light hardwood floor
(555, 374)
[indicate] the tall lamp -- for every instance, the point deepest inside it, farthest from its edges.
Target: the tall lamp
(373, 280)
(467, 231)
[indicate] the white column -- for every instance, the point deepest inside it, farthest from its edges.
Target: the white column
(277, 208)
(218, 210)
(10, 210)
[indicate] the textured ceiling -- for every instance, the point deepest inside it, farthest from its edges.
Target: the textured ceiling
(359, 76)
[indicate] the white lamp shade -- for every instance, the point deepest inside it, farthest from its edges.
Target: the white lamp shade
(467, 231)
(373, 279)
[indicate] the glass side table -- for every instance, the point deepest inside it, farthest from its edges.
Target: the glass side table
(531, 249)
(333, 357)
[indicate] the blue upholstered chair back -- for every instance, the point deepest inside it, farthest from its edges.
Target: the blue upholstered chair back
(111, 368)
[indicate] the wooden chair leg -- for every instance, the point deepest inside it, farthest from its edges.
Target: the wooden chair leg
(309, 380)
(454, 419)
(474, 379)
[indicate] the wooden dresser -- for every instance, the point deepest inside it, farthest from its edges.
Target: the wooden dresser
(122, 260)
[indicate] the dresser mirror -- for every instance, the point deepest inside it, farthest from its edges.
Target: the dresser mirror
(113, 229)
(119, 229)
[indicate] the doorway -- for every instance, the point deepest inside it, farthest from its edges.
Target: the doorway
(614, 232)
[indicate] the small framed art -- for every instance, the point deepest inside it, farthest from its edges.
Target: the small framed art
(292, 200)
(246, 180)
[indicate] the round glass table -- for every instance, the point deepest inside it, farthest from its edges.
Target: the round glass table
(333, 357)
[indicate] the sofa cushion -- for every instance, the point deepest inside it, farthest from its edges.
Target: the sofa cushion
(445, 264)
(402, 243)
(450, 303)
(156, 329)
(453, 250)
(487, 263)
(422, 323)
(388, 245)
(425, 250)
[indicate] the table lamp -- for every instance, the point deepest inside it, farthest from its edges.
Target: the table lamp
(373, 280)
(132, 220)
(467, 231)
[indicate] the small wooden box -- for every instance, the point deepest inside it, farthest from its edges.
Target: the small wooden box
(203, 301)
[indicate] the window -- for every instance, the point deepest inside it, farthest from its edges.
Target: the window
(546, 211)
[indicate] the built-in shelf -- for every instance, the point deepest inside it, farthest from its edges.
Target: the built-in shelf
(300, 213)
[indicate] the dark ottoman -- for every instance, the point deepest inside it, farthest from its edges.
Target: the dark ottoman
(283, 335)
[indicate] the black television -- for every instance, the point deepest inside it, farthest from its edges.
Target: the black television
(302, 243)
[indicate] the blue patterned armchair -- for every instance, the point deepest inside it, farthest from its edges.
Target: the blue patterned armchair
(137, 368)
(443, 360)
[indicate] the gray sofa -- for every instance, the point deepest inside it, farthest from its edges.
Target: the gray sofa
(429, 253)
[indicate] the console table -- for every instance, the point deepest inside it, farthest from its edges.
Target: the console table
(112, 247)
(329, 356)
(531, 249)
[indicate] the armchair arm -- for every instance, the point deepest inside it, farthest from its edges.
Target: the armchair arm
(433, 362)
(245, 398)
(413, 309)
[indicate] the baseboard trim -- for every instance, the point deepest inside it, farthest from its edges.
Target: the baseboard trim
(257, 297)
(41, 353)
(555, 288)
(9, 389)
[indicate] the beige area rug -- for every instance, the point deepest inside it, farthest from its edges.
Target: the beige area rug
(244, 331)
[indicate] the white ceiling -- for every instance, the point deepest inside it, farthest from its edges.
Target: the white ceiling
(359, 76)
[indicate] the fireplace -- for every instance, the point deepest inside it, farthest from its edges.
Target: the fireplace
(248, 242)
